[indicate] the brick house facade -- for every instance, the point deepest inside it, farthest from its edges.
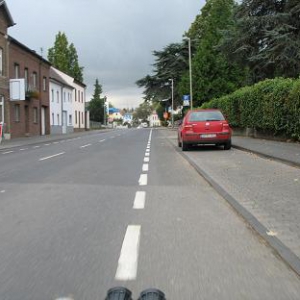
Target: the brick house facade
(6, 21)
(30, 116)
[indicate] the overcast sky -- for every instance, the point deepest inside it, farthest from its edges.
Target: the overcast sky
(114, 38)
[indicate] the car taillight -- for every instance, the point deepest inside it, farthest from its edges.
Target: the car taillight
(188, 127)
(225, 127)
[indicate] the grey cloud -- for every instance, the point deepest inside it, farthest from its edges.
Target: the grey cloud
(114, 39)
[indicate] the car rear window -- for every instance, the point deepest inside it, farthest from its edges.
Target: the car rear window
(206, 116)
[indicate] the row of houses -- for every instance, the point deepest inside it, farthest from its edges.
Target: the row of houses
(35, 97)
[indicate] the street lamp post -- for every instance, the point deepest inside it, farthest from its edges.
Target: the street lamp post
(172, 87)
(104, 113)
(190, 71)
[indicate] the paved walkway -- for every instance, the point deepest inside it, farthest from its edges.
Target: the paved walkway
(287, 152)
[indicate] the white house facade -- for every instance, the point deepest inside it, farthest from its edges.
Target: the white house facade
(78, 99)
(79, 106)
(154, 119)
(61, 103)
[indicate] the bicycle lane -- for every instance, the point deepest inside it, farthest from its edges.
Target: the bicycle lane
(264, 191)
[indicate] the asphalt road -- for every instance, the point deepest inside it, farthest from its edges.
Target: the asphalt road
(124, 208)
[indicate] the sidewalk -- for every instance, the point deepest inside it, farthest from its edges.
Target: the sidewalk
(286, 152)
(264, 191)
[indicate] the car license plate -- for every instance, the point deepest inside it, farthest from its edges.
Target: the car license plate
(208, 136)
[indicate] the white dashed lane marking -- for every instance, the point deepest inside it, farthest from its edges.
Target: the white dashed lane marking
(128, 260)
(145, 167)
(7, 152)
(48, 157)
(143, 179)
(139, 200)
(87, 145)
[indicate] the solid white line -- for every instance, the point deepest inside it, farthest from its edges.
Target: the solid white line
(7, 152)
(145, 167)
(87, 145)
(146, 159)
(143, 179)
(48, 157)
(128, 260)
(139, 200)
(101, 141)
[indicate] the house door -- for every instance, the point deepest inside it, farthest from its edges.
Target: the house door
(26, 120)
(64, 122)
(43, 121)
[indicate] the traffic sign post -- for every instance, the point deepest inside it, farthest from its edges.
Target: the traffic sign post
(186, 100)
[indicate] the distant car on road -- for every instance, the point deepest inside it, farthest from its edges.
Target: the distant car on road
(144, 124)
(204, 126)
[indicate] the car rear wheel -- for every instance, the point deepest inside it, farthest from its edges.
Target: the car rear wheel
(227, 146)
(184, 146)
(179, 143)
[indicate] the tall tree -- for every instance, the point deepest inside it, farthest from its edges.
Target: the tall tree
(143, 111)
(64, 57)
(75, 69)
(170, 63)
(213, 74)
(266, 38)
(96, 105)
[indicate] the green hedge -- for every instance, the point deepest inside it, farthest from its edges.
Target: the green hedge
(272, 105)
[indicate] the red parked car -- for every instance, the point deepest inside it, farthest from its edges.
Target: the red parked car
(204, 126)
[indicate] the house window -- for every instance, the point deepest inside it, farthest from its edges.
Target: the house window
(82, 97)
(34, 80)
(26, 79)
(70, 120)
(57, 96)
(82, 117)
(44, 84)
(1, 62)
(52, 118)
(65, 99)
(57, 116)
(52, 95)
(75, 116)
(78, 96)
(75, 95)
(17, 112)
(17, 71)
(35, 115)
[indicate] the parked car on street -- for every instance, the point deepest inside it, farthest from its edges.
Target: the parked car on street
(204, 126)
